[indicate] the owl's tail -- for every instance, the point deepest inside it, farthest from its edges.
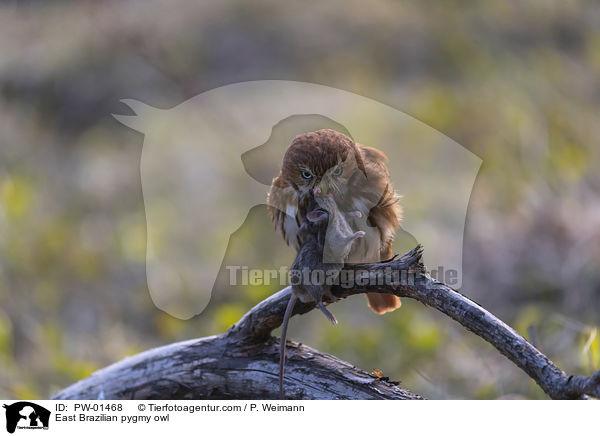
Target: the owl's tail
(383, 303)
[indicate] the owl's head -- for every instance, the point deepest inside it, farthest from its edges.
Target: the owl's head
(321, 162)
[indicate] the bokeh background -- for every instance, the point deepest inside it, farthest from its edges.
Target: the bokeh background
(515, 83)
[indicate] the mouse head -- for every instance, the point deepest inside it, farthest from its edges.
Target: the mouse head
(317, 217)
(315, 224)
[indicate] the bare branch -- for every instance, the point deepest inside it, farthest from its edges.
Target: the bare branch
(417, 284)
(243, 362)
(219, 367)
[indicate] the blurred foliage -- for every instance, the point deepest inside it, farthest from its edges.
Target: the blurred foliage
(517, 83)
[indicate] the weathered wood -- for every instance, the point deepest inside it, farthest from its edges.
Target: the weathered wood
(243, 362)
(219, 367)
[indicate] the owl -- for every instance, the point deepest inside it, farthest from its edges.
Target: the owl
(328, 162)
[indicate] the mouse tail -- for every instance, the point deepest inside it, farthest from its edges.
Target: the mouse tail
(284, 327)
(327, 313)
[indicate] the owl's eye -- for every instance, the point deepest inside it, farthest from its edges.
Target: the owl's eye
(306, 175)
(338, 171)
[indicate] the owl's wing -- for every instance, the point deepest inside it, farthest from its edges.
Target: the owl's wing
(385, 216)
(282, 202)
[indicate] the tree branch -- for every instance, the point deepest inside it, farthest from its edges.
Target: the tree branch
(242, 363)
(220, 367)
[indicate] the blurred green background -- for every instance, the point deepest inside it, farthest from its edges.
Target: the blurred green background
(516, 83)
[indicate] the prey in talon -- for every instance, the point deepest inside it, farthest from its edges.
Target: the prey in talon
(326, 239)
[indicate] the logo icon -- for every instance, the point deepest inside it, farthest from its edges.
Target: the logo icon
(26, 415)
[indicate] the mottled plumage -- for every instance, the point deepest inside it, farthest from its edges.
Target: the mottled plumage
(328, 161)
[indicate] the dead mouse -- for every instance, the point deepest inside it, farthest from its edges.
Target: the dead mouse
(327, 240)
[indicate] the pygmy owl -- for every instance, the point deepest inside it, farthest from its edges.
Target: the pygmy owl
(326, 161)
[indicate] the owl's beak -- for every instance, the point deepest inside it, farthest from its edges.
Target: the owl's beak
(321, 188)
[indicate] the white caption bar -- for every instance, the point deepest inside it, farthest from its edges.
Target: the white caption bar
(285, 418)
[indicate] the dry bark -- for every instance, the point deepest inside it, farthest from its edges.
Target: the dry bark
(221, 367)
